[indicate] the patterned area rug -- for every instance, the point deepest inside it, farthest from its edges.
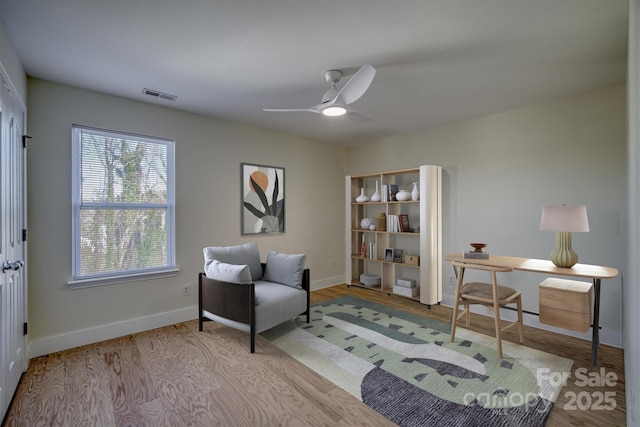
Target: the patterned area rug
(405, 366)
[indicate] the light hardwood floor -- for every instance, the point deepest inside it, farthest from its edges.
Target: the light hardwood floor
(177, 376)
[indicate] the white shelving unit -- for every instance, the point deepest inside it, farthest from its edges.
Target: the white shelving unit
(424, 239)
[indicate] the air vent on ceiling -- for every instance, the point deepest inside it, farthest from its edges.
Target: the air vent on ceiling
(158, 94)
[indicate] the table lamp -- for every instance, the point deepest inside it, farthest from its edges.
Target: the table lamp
(564, 220)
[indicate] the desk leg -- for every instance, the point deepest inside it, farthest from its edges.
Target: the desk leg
(595, 340)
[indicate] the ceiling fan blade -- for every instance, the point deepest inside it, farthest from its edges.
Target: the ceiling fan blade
(358, 117)
(357, 85)
(289, 110)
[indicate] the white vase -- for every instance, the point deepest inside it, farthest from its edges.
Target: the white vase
(403, 196)
(362, 198)
(375, 197)
(415, 193)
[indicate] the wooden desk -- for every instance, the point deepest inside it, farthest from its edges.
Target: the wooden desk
(593, 272)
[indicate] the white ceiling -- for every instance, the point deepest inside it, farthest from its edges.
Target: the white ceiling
(437, 61)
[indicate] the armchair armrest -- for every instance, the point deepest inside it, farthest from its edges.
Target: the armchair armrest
(228, 300)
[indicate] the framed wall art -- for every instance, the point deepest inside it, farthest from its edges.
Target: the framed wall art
(262, 195)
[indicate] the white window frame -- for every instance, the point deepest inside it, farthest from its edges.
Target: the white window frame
(105, 278)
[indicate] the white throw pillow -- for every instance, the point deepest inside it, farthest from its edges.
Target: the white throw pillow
(286, 269)
(240, 254)
(231, 273)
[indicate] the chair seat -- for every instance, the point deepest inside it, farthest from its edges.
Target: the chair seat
(485, 290)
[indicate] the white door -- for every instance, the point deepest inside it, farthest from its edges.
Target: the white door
(13, 293)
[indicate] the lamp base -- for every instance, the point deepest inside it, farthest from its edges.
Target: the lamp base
(563, 255)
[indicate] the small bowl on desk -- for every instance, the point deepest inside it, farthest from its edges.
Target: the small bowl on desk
(478, 247)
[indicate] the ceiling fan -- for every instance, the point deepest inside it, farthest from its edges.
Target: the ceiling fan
(334, 102)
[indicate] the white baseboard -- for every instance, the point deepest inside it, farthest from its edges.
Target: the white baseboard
(48, 345)
(607, 336)
(52, 344)
(327, 283)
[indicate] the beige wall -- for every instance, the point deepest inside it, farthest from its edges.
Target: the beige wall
(208, 157)
(498, 172)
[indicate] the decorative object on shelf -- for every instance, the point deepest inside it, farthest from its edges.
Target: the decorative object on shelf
(262, 208)
(375, 197)
(397, 255)
(382, 222)
(363, 248)
(370, 280)
(564, 220)
(362, 197)
(404, 223)
(415, 193)
(393, 190)
(408, 292)
(477, 251)
(403, 196)
(388, 254)
(412, 259)
(372, 250)
(366, 223)
(406, 283)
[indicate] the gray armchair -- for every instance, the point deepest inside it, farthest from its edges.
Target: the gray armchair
(239, 291)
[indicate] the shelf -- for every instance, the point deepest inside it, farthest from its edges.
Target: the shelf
(392, 202)
(424, 215)
(383, 261)
(378, 288)
(362, 230)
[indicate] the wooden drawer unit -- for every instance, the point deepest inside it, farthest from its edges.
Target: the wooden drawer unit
(566, 304)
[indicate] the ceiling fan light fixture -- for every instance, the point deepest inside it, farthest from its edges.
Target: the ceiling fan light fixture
(334, 111)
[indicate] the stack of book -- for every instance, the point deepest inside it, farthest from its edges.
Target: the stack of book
(398, 223)
(476, 255)
(389, 192)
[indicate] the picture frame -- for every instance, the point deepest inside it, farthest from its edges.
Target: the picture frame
(404, 223)
(388, 254)
(397, 255)
(393, 190)
(262, 194)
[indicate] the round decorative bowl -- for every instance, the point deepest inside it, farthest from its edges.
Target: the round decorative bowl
(478, 246)
(403, 196)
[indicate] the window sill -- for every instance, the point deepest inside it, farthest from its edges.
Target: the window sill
(112, 280)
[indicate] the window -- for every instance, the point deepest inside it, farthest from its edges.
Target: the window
(123, 204)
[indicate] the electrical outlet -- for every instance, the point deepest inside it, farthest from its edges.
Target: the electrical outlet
(452, 279)
(186, 290)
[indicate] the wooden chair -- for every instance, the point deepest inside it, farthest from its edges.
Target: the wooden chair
(488, 294)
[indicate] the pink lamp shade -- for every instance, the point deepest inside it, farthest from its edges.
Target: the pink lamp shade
(564, 218)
